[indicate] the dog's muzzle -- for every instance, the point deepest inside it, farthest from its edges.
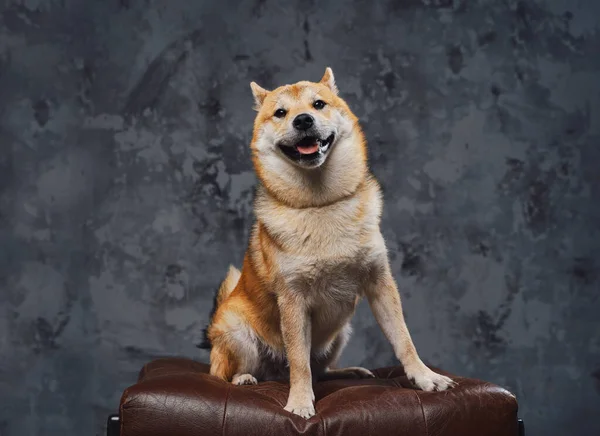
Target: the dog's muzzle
(308, 149)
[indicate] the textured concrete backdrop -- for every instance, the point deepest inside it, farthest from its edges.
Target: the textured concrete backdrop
(126, 186)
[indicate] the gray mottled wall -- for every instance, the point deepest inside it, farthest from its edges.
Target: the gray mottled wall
(126, 186)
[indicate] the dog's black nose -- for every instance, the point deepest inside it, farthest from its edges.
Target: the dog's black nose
(303, 122)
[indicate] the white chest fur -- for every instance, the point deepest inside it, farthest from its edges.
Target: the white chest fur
(328, 254)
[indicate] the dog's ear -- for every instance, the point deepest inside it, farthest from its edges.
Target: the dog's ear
(329, 81)
(259, 94)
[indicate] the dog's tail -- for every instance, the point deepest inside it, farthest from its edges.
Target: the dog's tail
(231, 280)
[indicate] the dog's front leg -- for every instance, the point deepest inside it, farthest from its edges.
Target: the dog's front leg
(385, 303)
(296, 331)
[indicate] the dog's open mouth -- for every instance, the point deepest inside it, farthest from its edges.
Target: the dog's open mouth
(308, 148)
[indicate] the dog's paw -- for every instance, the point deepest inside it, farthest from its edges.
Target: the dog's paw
(301, 405)
(427, 380)
(355, 372)
(350, 372)
(360, 372)
(244, 379)
(305, 411)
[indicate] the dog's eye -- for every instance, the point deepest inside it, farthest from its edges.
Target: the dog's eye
(319, 104)
(280, 113)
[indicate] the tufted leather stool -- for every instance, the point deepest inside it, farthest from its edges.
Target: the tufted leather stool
(177, 397)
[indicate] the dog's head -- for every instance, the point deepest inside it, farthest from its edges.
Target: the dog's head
(302, 122)
(303, 130)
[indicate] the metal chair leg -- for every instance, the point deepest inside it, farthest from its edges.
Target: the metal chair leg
(113, 426)
(521, 427)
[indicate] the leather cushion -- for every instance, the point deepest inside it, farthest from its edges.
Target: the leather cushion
(177, 397)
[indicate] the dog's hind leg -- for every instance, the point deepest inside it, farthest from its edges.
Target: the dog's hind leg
(223, 363)
(326, 366)
(348, 372)
(234, 356)
(244, 379)
(228, 365)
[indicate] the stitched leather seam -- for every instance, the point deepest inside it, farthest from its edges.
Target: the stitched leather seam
(121, 414)
(225, 410)
(423, 412)
(322, 422)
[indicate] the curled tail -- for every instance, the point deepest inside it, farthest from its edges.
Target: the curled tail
(231, 280)
(227, 285)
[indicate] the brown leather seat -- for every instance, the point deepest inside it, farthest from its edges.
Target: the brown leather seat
(177, 397)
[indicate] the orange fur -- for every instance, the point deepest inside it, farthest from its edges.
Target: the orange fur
(314, 251)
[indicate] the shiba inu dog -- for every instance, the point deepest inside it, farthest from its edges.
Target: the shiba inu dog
(315, 250)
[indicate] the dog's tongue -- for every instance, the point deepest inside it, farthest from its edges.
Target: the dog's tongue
(307, 148)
